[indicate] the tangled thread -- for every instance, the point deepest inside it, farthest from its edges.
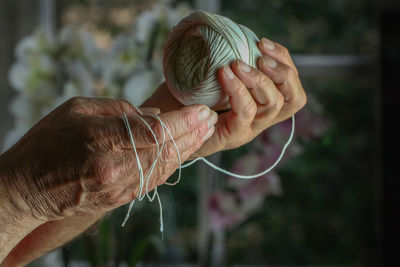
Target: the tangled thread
(196, 48)
(145, 177)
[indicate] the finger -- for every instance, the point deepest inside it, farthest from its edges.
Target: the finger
(276, 51)
(185, 119)
(101, 106)
(147, 130)
(261, 87)
(185, 143)
(263, 90)
(168, 161)
(185, 154)
(150, 110)
(288, 83)
(282, 75)
(243, 107)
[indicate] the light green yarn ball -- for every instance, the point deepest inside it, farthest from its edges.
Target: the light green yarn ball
(196, 48)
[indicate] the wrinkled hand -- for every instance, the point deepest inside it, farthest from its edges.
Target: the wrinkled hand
(259, 98)
(79, 160)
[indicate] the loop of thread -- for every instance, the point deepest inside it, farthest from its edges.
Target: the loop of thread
(195, 49)
(145, 178)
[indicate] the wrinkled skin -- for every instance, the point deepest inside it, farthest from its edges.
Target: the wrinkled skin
(79, 159)
(77, 163)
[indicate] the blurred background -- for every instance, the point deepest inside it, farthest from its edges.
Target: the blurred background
(319, 207)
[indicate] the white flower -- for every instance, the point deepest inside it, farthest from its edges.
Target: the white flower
(18, 75)
(81, 77)
(123, 59)
(145, 24)
(26, 46)
(80, 45)
(49, 70)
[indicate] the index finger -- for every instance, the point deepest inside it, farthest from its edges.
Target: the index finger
(149, 130)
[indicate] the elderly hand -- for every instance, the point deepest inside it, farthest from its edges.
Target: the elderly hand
(79, 160)
(258, 98)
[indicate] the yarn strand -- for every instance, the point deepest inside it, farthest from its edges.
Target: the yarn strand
(146, 177)
(196, 48)
(215, 167)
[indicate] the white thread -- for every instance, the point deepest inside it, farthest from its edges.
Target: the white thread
(215, 167)
(195, 49)
(146, 177)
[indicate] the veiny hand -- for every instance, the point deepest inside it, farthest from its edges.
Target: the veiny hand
(78, 160)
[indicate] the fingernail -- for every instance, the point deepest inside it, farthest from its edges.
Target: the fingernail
(204, 113)
(244, 67)
(228, 73)
(212, 120)
(209, 133)
(149, 110)
(270, 62)
(267, 44)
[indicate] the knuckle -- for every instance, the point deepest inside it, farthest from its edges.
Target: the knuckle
(158, 131)
(189, 120)
(288, 72)
(276, 103)
(279, 101)
(74, 103)
(198, 133)
(249, 110)
(265, 82)
(125, 105)
(169, 153)
(241, 91)
(75, 100)
(285, 51)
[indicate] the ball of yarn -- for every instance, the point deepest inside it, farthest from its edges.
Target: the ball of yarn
(196, 48)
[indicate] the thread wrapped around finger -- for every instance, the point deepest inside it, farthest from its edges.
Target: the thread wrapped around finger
(196, 48)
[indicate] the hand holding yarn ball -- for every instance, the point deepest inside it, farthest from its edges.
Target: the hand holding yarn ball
(211, 60)
(77, 163)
